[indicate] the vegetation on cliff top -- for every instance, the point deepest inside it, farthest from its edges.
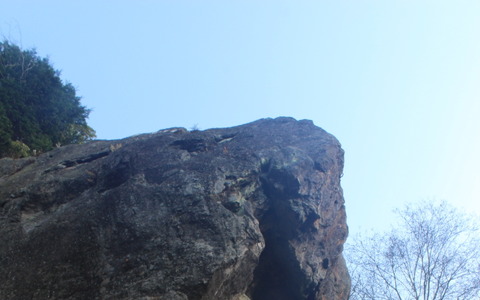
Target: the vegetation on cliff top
(38, 111)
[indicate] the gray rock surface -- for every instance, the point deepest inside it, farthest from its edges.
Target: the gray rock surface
(249, 212)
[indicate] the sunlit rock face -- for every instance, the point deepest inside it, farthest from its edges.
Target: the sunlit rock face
(253, 212)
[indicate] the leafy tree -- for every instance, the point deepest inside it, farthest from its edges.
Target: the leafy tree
(433, 254)
(37, 110)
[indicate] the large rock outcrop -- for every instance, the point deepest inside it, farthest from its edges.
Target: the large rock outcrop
(249, 212)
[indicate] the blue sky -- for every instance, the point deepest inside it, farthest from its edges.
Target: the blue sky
(397, 82)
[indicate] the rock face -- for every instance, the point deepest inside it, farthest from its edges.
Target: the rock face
(250, 212)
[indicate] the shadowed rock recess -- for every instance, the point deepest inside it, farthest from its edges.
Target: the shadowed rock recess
(249, 212)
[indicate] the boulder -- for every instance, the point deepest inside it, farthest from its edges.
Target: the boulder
(253, 212)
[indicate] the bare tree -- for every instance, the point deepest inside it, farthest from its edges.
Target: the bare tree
(432, 254)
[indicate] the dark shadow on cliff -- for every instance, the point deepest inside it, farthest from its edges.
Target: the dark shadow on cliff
(278, 275)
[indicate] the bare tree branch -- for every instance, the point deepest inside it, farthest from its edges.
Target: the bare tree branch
(433, 255)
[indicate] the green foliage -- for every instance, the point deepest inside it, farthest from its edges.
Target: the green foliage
(18, 150)
(36, 108)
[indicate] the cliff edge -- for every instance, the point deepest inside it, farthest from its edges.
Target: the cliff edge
(249, 212)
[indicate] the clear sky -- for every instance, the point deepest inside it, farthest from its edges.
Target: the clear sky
(397, 82)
